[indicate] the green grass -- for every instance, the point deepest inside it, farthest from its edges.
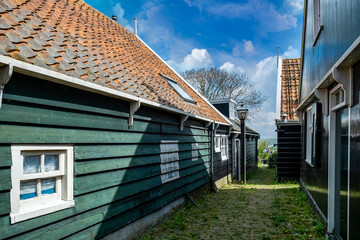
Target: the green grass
(261, 209)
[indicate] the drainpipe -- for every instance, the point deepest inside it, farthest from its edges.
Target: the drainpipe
(212, 155)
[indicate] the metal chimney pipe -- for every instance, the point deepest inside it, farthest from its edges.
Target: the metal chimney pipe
(135, 26)
(113, 17)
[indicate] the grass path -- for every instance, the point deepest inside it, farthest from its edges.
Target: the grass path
(262, 209)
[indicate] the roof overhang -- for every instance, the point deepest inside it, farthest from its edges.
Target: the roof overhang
(50, 75)
(340, 72)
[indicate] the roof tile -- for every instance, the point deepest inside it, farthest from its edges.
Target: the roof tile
(35, 45)
(27, 51)
(4, 25)
(70, 37)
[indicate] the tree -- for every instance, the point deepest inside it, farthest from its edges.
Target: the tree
(216, 83)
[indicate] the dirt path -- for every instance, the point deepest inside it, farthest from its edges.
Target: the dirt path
(261, 209)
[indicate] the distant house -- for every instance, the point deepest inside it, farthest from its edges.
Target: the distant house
(329, 113)
(228, 169)
(287, 120)
(98, 135)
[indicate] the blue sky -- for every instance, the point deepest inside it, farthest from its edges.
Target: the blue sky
(240, 36)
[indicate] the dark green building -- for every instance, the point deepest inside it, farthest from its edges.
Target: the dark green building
(97, 133)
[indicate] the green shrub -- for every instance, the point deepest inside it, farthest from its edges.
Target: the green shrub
(272, 159)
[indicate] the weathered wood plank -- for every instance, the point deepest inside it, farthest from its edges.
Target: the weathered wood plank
(57, 117)
(5, 179)
(100, 165)
(91, 201)
(173, 129)
(108, 151)
(117, 221)
(5, 156)
(93, 182)
(5, 202)
(32, 134)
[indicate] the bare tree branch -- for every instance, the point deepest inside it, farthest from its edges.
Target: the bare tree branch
(215, 83)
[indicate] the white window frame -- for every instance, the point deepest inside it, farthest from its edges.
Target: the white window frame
(169, 164)
(225, 147)
(22, 210)
(310, 134)
(217, 141)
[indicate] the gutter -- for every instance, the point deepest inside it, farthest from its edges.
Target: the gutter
(303, 46)
(6, 70)
(60, 78)
(212, 133)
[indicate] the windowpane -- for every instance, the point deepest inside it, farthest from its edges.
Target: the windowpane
(51, 163)
(31, 164)
(28, 190)
(181, 91)
(48, 186)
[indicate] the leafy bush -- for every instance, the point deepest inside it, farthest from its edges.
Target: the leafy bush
(272, 159)
(262, 145)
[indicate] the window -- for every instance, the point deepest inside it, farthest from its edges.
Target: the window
(224, 147)
(195, 151)
(178, 89)
(217, 144)
(42, 180)
(313, 114)
(337, 97)
(169, 160)
(317, 20)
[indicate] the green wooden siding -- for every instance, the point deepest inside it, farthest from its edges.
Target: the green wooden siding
(117, 174)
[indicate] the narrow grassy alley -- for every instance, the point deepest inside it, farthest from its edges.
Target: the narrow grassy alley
(262, 209)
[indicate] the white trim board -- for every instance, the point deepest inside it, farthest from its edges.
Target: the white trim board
(49, 75)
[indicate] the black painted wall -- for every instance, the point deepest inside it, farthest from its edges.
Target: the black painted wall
(355, 157)
(289, 151)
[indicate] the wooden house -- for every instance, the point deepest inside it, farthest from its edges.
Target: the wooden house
(98, 135)
(287, 121)
(330, 113)
(231, 165)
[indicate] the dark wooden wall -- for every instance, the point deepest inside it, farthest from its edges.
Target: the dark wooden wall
(340, 19)
(251, 154)
(221, 167)
(117, 175)
(289, 152)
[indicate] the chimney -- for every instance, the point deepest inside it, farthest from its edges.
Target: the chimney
(113, 17)
(135, 26)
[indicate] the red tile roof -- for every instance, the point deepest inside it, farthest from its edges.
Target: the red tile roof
(290, 80)
(71, 37)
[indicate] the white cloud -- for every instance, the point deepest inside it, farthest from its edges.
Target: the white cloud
(297, 4)
(264, 123)
(248, 46)
(199, 58)
(230, 67)
(291, 53)
(119, 13)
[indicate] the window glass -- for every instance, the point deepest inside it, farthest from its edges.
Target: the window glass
(181, 91)
(31, 164)
(51, 163)
(28, 189)
(48, 186)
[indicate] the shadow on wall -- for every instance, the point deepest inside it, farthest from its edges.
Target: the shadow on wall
(145, 177)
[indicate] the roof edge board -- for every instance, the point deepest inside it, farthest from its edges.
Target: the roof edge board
(63, 79)
(188, 84)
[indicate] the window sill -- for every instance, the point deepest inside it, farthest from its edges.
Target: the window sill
(224, 158)
(217, 150)
(40, 209)
(309, 162)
